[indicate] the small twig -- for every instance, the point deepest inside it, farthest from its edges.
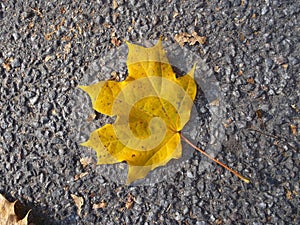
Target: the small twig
(279, 138)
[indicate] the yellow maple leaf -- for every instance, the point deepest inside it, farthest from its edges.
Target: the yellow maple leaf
(151, 106)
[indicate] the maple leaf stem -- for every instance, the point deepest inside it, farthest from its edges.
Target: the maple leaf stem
(215, 160)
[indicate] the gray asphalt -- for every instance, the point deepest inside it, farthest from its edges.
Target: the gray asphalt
(247, 111)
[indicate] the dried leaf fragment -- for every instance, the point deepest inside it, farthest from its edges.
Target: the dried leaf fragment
(81, 175)
(114, 76)
(78, 202)
(191, 39)
(115, 4)
(285, 66)
(129, 201)
(7, 64)
(215, 102)
(67, 48)
(100, 205)
(8, 215)
(294, 129)
(48, 58)
(250, 80)
(86, 160)
(115, 41)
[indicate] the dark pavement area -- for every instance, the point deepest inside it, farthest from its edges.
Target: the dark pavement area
(251, 49)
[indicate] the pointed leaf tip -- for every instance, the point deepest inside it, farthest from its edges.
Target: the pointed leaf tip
(82, 87)
(129, 44)
(159, 41)
(191, 73)
(85, 144)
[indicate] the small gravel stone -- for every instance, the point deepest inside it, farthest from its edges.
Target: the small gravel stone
(189, 174)
(16, 63)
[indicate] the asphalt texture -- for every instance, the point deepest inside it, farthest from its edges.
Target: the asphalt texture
(48, 48)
